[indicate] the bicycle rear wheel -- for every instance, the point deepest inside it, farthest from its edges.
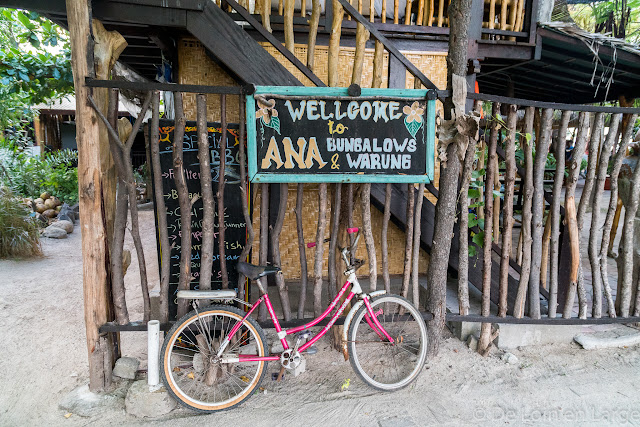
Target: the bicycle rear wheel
(384, 365)
(192, 373)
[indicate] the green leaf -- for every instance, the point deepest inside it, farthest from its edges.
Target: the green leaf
(496, 193)
(473, 251)
(274, 123)
(473, 221)
(413, 127)
(481, 223)
(478, 238)
(473, 193)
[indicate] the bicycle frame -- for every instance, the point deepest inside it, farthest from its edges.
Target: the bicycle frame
(352, 282)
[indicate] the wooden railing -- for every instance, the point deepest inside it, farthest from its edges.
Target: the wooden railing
(500, 18)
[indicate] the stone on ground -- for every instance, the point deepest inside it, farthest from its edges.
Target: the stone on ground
(84, 403)
(620, 336)
(65, 225)
(472, 342)
(142, 402)
(54, 232)
(510, 358)
(126, 367)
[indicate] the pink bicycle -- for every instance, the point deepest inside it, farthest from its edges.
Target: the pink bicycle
(214, 358)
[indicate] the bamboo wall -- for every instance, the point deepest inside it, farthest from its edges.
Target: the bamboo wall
(195, 67)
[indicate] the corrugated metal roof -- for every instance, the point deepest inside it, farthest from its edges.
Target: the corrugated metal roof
(66, 105)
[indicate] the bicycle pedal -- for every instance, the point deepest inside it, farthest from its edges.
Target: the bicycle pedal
(311, 350)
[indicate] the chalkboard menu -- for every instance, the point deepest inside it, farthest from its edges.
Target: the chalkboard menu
(235, 232)
(322, 135)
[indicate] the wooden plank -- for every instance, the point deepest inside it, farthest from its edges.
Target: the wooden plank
(236, 49)
(168, 87)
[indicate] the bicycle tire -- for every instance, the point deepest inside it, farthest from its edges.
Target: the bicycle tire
(197, 372)
(378, 351)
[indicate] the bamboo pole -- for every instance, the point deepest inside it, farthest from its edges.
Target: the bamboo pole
(503, 14)
(303, 8)
(595, 236)
(544, 258)
(492, 14)
(463, 251)
(574, 221)
(383, 12)
(334, 43)
(542, 148)
(208, 209)
(525, 266)
(313, 34)
(507, 213)
(245, 199)
(431, 11)
(396, 8)
(555, 212)
(408, 249)
(365, 207)
(407, 13)
(384, 244)
(372, 10)
(420, 15)
(266, 14)
(614, 229)
(362, 35)
(220, 194)
(289, 41)
(317, 264)
(440, 12)
(612, 211)
(302, 251)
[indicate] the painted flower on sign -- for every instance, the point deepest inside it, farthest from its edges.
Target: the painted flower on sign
(414, 113)
(413, 119)
(268, 115)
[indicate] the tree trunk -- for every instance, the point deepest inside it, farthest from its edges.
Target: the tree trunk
(417, 222)
(220, 195)
(368, 235)
(408, 247)
(613, 204)
(283, 290)
(627, 247)
(525, 265)
(459, 17)
(595, 233)
(555, 212)
(313, 34)
(319, 255)
(208, 209)
(333, 243)
(463, 252)
(245, 200)
(264, 244)
(95, 246)
(384, 245)
(538, 205)
(184, 202)
(572, 221)
(303, 254)
(484, 342)
(507, 213)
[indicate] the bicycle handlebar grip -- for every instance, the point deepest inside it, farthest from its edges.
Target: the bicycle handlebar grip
(352, 230)
(311, 244)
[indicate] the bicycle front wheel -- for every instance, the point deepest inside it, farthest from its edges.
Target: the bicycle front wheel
(385, 365)
(193, 374)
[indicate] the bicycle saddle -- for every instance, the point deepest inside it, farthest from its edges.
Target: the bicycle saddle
(254, 272)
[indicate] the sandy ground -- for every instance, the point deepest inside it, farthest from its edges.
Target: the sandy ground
(43, 357)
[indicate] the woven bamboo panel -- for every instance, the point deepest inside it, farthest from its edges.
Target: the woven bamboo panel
(196, 68)
(345, 64)
(289, 237)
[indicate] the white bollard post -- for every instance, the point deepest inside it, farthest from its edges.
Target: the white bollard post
(153, 343)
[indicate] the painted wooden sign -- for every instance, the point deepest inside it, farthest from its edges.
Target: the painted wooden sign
(301, 134)
(235, 233)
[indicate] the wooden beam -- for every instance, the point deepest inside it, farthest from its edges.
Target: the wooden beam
(90, 192)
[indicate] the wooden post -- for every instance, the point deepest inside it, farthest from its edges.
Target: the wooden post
(334, 42)
(303, 254)
(408, 247)
(463, 236)
(264, 242)
(507, 213)
(93, 222)
(208, 209)
(523, 285)
(245, 199)
(417, 229)
(538, 205)
(319, 255)
(365, 207)
(313, 33)
(283, 290)
(555, 212)
(220, 194)
(384, 245)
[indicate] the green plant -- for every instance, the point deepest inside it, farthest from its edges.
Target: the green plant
(19, 234)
